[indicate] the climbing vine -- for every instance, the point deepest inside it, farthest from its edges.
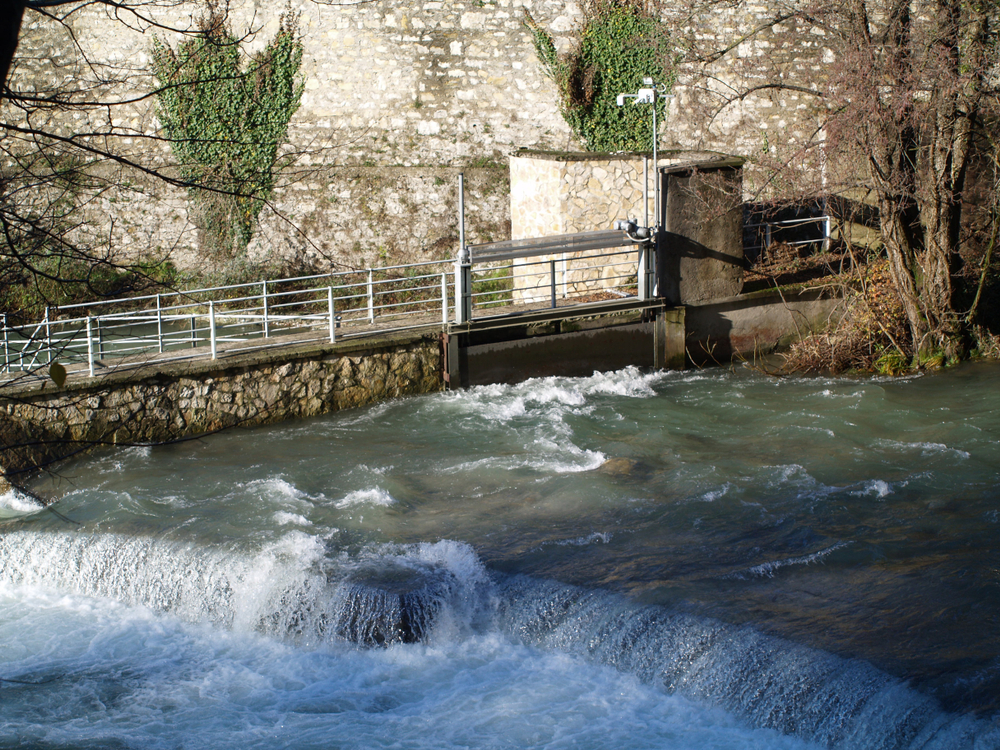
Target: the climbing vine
(225, 121)
(620, 43)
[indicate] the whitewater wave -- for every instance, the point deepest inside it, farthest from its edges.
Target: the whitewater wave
(768, 569)
(375, 496)
(14, 504)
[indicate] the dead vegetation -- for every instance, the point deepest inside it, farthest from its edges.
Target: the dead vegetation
(872, 336)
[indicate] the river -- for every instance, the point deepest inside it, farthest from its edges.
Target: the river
(700, 559)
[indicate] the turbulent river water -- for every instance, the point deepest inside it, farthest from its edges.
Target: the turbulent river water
(704, 559)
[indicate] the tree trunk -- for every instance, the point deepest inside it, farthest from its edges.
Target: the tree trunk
(11, 13)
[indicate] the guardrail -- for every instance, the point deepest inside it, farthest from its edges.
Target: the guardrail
(247, 316)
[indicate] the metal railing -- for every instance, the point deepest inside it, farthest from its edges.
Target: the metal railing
(522, 274)
(237, 317)
(541, 272)
(797, 232)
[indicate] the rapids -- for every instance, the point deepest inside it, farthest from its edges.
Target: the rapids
(671, 560)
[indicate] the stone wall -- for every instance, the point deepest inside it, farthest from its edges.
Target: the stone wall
(402, 90)
(181, 400)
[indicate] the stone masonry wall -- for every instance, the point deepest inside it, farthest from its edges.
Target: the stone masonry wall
(405, 89)
(181, 400)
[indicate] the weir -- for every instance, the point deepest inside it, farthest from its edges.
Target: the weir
(404, 594)
(701, 575)
(653, 297)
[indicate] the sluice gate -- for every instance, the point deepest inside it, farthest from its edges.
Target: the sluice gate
(569, 341)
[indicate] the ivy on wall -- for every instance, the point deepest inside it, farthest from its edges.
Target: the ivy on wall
(225, 122)
(619, 44)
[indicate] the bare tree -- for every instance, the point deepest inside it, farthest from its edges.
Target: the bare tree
(67, 149)
(903, 94)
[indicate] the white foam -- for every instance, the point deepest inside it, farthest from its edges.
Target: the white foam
(768, 569)
(375, 496)
(285, 518)
(504, 403)
(574, 460)
(927, 449)
(596, 537)
(116, 675)
(14, 504)
(278, 491)
(877, 487)
(712, 495)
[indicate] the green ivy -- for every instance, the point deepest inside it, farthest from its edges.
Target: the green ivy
(225, 122)
(619, 45)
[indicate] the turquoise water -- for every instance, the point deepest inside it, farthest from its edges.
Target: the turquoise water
(697, 559)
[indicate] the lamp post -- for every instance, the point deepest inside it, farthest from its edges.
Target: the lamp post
(648, 94)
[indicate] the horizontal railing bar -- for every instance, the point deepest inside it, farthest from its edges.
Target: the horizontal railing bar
(243, 285)
(790, 222)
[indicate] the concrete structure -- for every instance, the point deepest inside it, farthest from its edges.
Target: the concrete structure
(701, 253)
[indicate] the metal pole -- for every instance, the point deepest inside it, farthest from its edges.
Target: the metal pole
(6, 343)
(333, 315)
(100, 337)
(211, 326)
(444, 298)
(645, 187)
(90, 347)
(461, 210)
(463, 264)
(48, 337)
(656, 171)
(649, 254)
(159, 324)
(552, 281)
(194, 332)
(371, 298)
(463, 286)
(267, 322)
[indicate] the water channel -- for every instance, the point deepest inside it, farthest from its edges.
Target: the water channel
(701, 559)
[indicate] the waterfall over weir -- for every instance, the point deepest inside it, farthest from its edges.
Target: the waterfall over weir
(771, 683)
(402, 595)
(281, 591)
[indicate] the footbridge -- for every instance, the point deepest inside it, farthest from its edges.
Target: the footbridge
(597, 286)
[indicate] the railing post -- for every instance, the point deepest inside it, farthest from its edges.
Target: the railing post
(552, 282)
(211, 326)
(371, 298)
(333, 314)
(194, 331)
(90, 347)
(48, 337)
(444, 298)
(267, 327)
(100, 338)
(565, 276)
(463, 287)
(6, 343)
(642, 280)
(159, 325)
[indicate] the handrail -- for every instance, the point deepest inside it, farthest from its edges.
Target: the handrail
(560, 243)
(166, 323)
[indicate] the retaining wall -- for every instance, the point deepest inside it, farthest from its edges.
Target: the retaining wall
(173, 401)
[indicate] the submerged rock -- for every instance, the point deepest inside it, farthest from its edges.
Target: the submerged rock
(623, 467)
